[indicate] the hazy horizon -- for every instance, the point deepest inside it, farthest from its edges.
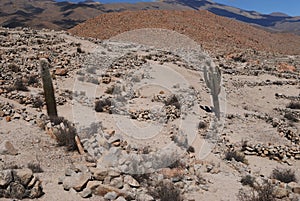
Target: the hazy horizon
(289, 7)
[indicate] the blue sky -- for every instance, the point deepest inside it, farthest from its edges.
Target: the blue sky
(290, 7)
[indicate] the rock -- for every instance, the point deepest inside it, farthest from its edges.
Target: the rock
(23, 176)
(114, 173)
(131, 181)
(7, 148)
(145, 197)
(103, 189)
(110, 195)
(249, 153)
(61, 71)
(117, 182)
(170, 173)
(8, 118)
(295, 187)
(87, 192)
(36, 191)
(32, 182)
(17, 116)
(100, 173)
(5, 177)
(77, 182)
(281, 192)
(121, 198)
(93, 184)
(17, 190)
(81, 181)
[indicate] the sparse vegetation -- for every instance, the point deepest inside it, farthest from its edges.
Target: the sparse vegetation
(248, 180)
(172, 100)
(263, 192)
(166, 191)
(14, 68)
(238, 156)
(37, 102)
(291, 117)
(202, 125)
(294, 105)
(284, 175)
(66, 134)
(177, 164)
(102, 105)
(19, 85)
(32, 80)
(35, 167)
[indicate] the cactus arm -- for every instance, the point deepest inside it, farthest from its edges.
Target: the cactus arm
(48, 88)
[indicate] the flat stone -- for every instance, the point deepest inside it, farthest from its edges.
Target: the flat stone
(100, 173)
(249, 153)
(81, 181)
(117, 182)
(77, 182)
(103, 189)
(114, 173)
(110, 195)
(131, 181)
(17, 116)
(93, 184)
(7, 148)
(87, 192)
(23, 176)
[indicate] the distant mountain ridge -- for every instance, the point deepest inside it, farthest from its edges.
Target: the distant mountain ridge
(65, 15)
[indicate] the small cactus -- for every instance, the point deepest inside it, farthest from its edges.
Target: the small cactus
(48, 88)
(213, 78)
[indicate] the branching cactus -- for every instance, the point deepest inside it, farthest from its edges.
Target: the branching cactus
(213, 78)
(48, 88)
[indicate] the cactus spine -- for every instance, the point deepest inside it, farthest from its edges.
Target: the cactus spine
(213, 78)
(48, 88)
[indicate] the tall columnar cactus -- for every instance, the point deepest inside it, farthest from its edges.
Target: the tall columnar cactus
(213, 78)
(48, 88)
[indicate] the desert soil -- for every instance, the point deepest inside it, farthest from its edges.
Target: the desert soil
(138, 72)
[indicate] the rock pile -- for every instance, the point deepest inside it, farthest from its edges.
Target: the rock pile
(279, 153)
(19, 184)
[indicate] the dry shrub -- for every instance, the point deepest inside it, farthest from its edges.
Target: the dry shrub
(103, 105)
(66, 133)
(291, 117)
(19, 85)
(238, 156)
(35, 167)
(284, 175)
(263, 192)
(294, 105)
(248, 180)
(166, 191)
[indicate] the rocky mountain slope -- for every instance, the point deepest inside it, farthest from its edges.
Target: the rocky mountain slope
(211, 31)
(64, 15)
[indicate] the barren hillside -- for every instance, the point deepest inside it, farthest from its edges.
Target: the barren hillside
(211, 31)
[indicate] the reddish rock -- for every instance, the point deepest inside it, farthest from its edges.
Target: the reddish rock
(61, 71)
